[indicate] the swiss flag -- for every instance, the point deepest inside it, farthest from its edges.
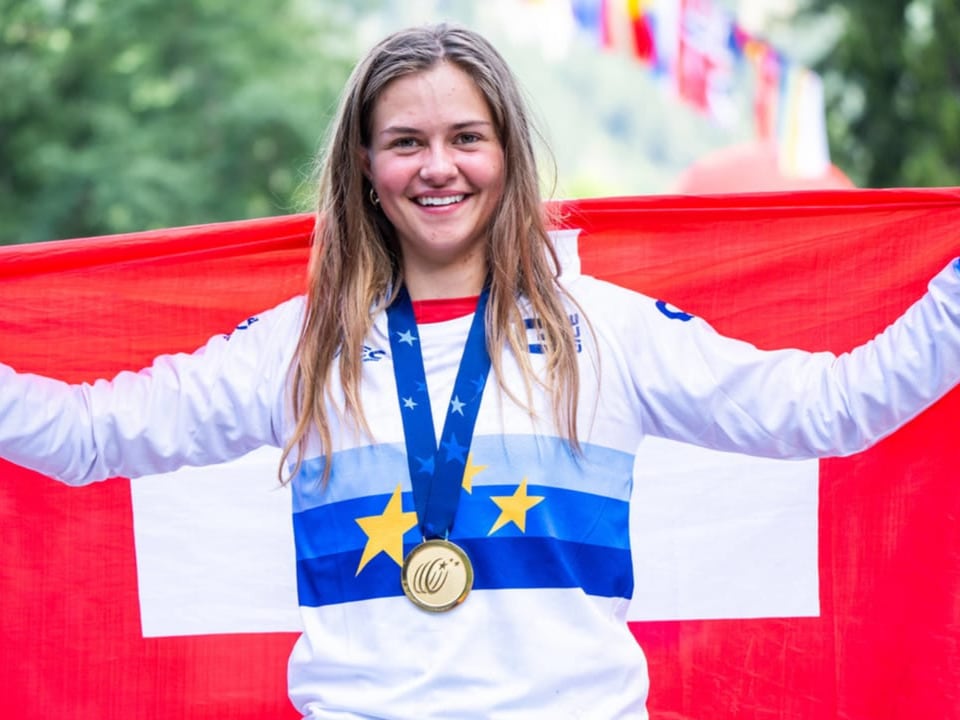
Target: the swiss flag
(763, 589)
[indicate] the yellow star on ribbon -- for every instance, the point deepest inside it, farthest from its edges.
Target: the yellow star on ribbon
(385, 531)
(470, 472)
(513, 508)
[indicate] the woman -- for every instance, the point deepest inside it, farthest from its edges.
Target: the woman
(462, 534)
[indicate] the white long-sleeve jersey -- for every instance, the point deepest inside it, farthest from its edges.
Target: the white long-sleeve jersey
(543, 633)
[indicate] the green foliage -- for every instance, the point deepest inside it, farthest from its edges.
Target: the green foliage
(892, 82)
(127, 115)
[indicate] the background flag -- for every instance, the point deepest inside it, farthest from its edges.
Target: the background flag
(764, 590)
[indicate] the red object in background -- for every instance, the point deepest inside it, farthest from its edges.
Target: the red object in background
(819, 270)
(752, 167)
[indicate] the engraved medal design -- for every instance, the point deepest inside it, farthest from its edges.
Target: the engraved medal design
(437, 575)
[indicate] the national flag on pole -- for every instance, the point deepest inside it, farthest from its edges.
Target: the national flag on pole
(705, 60)
(618, 25)
(763, 589)
(641, 17)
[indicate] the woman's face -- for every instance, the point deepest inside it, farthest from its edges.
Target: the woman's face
(437, 165)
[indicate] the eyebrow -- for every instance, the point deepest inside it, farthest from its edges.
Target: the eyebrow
(404, 130)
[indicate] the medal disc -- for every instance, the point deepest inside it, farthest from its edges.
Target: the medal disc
(437, 575)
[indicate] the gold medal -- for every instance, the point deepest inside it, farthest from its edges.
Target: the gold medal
(436, 575)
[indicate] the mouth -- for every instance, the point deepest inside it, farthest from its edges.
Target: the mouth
(434, 201)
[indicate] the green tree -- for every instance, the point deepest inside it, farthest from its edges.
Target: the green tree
(123, 116)
(892, 85)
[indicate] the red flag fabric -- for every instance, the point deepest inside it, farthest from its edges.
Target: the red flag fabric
(822, 270)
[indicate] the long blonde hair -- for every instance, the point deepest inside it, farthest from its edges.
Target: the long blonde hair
(356, 258)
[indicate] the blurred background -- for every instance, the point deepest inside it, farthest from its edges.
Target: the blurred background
(126, 115)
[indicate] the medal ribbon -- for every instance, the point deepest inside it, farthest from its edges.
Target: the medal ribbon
(436, 471)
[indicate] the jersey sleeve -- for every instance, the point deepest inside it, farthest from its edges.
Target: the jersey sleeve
(698, 386)
(212, 405)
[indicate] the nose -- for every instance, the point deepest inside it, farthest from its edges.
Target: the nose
(438, 165)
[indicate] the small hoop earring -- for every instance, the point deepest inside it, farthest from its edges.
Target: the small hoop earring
(374, 198)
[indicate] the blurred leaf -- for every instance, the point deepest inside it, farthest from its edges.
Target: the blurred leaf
(123, 116)
(892, 82)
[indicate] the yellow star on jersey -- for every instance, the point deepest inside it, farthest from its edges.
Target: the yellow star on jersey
(470, 472)
(385, 531)
(513, 508)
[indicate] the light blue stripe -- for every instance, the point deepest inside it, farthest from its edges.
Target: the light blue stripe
(375, 470)
(356, 473)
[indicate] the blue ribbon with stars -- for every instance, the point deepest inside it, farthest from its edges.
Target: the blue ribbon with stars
(436, 471)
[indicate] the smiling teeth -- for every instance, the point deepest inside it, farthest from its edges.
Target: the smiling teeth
(449, 200)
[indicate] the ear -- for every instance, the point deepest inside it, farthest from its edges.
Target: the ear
(365, 163)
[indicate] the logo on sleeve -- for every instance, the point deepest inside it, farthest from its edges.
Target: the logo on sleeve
(245, 325)
(672, 312)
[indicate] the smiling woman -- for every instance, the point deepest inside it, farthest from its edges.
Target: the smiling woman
(435, 162)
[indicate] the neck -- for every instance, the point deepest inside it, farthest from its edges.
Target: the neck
(445, 284)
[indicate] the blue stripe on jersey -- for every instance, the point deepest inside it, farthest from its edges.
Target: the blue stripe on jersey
(570, 537)
(499, 563)
(564, 514)
(547, 461)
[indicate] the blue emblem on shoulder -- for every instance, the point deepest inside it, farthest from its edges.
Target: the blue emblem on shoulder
(245, 325)
(672, 312)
